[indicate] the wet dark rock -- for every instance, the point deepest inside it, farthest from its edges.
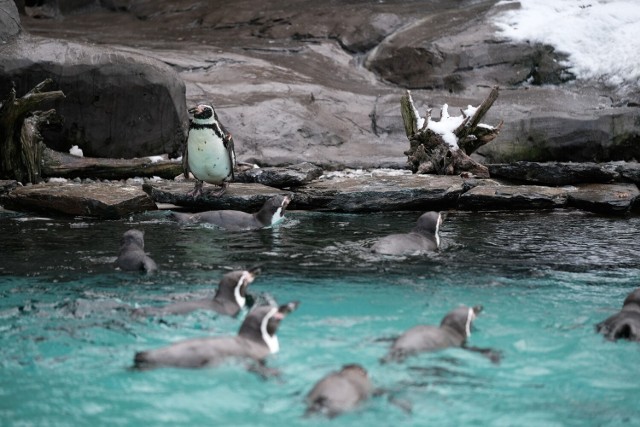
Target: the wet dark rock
(243, 197)
(607, 199)
(281, 177)
(555, 173)
(102, 200)
(379, 193)
(511, 197)
(117, 104)
(7, 185)
(629, 171)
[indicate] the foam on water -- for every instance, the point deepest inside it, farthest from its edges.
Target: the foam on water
(544, 280)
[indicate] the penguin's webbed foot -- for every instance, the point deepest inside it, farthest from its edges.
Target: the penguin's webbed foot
(218, 193)
(264, 371)
(197, 190)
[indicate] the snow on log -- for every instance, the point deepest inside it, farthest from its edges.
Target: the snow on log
(443, 146)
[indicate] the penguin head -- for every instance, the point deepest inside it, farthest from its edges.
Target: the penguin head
(461, 319)
(632, 301)
(273, 210)
(234, 285)
(262, 323)
(429, 223)
(354, 370)
(203, 113)
(132, 237)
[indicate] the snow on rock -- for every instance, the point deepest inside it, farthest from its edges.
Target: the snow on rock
(600, 37)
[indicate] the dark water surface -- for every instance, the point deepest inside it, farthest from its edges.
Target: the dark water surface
(544, 279)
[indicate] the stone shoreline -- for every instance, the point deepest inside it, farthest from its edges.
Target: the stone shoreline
(610, 188)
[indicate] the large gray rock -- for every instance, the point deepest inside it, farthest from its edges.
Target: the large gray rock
(9, 21)
(320, 82)
(118, 104)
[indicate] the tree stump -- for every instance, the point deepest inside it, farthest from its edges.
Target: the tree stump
(21, 143)
(443, 147)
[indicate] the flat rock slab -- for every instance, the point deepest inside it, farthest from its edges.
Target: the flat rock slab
(513, 197)
(555, 173)
(103, 200)
(281, 177)
(380, 193)
(244, 197)
(602, 198)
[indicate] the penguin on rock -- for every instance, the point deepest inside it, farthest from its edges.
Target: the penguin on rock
(209, 153)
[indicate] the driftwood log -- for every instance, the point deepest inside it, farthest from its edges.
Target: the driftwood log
(63, 165)
(21, 144)
(25, 158)
(429, 153)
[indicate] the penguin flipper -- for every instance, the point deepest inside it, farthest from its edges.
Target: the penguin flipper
(185, 161)
(149, 265)
(228, 142)
(495, 356)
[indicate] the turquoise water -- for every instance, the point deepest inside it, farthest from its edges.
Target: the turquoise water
(544, 279)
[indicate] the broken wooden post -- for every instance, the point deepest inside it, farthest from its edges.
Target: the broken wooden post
(20, 140)
(443, 147)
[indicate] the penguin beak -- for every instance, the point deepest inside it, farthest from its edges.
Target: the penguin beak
(285, 309)
(477, 309)
(196, 110)
(256, 270)
(285, 202)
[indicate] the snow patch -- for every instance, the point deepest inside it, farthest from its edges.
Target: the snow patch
(600, 37)
(445, 127)
(156, 159)
(57, 180)
(76, 151)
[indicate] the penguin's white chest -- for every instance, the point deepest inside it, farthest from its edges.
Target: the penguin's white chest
(208, 157)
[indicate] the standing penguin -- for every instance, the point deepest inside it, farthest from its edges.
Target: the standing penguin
(255, 341)
(209, 153)
(339, 391)
(229, 299)
(626, 323)
(132, 256)
(424, 237)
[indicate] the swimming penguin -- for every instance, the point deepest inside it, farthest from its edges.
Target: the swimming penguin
(132, 256)
(271, 212)
(422, 238)
(626, 323)
(453, 331)
(339, 391)
(229, 299)
(255, 341)
(209, 154)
